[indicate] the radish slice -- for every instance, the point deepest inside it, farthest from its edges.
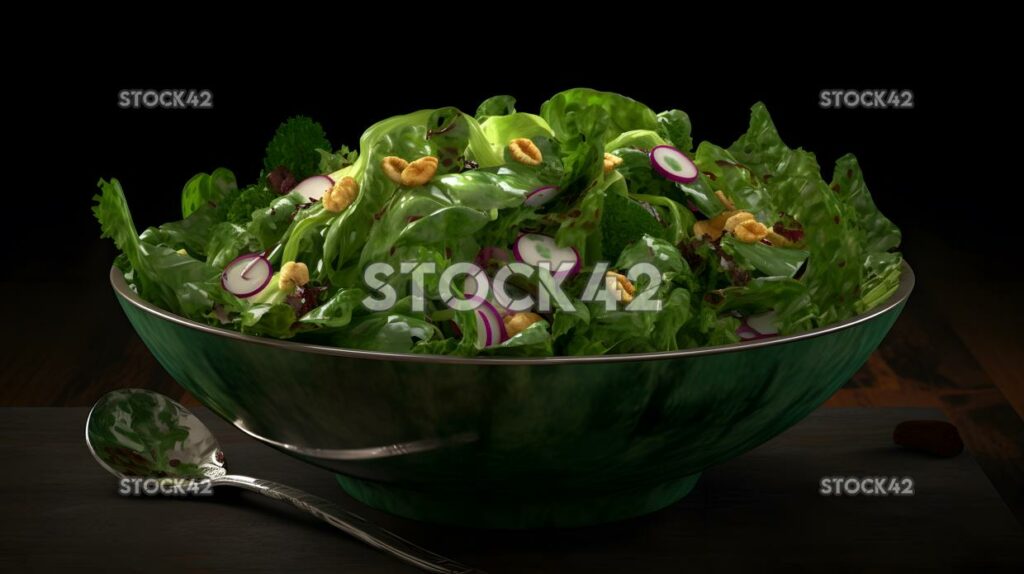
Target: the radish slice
(247, 275)
(541, 195)
(472, 283)
(532, 248)
(673, 164)
(763, 323)
(760, 326)
(746, 333)
(313, 188)
(490, 329)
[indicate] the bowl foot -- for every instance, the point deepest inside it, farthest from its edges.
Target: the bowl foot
(557, 509)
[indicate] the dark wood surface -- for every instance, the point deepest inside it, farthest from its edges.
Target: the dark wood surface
(762, 510)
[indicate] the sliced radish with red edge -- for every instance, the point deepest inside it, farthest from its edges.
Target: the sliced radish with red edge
(313, 188)
(472, 283)
(673, 164)
(541, 195)
(746, 333)
(533, 248)
(760, 326)
(246, 275)
(490, 328)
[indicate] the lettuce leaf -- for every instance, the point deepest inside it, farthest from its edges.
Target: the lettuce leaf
(160, 274)
(207, 189)
(495, 106)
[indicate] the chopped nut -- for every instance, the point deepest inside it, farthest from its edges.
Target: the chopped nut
(704, 227)
(725, 200)
(419, 172)
(518, 322)
(720, 219)
(525, 151)
(624, 289)
(611, 161)
(750, 231)
(712, 227)
(341, 195)
(182, 252)
(736, 219)
(393, 167)
(293, 275)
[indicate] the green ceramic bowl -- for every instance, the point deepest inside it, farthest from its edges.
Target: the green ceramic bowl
(513, 442)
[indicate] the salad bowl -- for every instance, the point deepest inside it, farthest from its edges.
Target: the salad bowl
(511, 442)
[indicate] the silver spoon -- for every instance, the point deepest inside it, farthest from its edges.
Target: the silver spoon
(139, 433)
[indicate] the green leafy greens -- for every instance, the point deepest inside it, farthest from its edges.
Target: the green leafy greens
(822, 252)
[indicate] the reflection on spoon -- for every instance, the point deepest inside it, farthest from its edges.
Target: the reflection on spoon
(139, 433)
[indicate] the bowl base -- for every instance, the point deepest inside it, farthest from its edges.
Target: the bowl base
(517, 510)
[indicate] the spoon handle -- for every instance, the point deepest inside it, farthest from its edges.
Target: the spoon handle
(349, 523)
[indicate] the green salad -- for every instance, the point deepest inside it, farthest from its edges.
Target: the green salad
(595, 226)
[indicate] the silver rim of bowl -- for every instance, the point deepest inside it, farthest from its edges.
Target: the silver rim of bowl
(902, 293)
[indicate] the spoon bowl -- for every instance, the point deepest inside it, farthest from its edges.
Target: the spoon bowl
(135, 433)
(139, 433)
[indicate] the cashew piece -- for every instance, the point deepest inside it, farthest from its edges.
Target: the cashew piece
(293, 275)
(738, 218)
(750, 231)
(611, 161)
(393, 167)
(518, 322)
(624, 289)
(704, 227)
(419, 172)
(341, 195)
(525, 151)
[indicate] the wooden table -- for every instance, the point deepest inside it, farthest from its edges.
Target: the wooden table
(762, 510)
